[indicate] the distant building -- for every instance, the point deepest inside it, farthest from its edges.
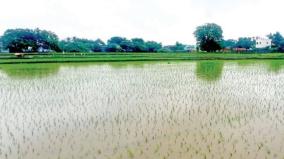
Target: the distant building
(239, 50)
(180, 48)
(190, 48)
(262, 42)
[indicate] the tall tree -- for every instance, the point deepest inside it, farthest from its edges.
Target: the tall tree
(111, 47)
(29, 40)
(98, 46)
(127, 46)
(139, 45)
(75, 44)
(19, 40)
(229, 44)
(209, 37)
(153, 46)
(277, 41)
(1, 44)
(247, 43)
(178, 47)
(47, 40)
(118, 44)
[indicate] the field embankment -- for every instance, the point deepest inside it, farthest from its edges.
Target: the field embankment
(115, 57)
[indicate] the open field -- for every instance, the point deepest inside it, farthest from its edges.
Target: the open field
(229, 109)
(110, 57)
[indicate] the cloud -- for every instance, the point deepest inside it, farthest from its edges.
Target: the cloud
(166, 21)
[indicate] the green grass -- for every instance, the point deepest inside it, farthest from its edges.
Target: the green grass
(112, 57)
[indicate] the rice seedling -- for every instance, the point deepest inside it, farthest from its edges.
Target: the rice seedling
(160, 110)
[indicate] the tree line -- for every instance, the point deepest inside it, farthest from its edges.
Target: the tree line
(209, 38)
(36, 40)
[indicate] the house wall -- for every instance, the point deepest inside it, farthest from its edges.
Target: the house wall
(262, 42)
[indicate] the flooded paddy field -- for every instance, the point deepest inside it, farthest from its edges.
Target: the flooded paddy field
(138, 110)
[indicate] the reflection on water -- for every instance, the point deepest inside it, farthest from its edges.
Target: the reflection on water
(205, 70)
(155, 110)
(273, 66)
(29, 71)
(34, 71)
(209, 70)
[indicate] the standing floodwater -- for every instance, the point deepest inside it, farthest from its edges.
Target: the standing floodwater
(167, 110)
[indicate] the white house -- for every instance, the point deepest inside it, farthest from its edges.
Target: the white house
(262, 42)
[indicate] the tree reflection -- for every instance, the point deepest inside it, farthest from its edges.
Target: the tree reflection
(275, 65)
(30, 71)
(209, 70)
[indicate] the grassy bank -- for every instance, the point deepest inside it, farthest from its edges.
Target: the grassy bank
(112, 57)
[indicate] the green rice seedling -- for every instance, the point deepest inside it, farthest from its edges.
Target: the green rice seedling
(161, 110)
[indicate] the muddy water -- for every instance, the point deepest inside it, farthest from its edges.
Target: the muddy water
(165, 110)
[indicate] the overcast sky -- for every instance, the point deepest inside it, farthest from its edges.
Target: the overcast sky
(166, 21)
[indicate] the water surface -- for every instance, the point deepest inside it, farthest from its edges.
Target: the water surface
(161, 110)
